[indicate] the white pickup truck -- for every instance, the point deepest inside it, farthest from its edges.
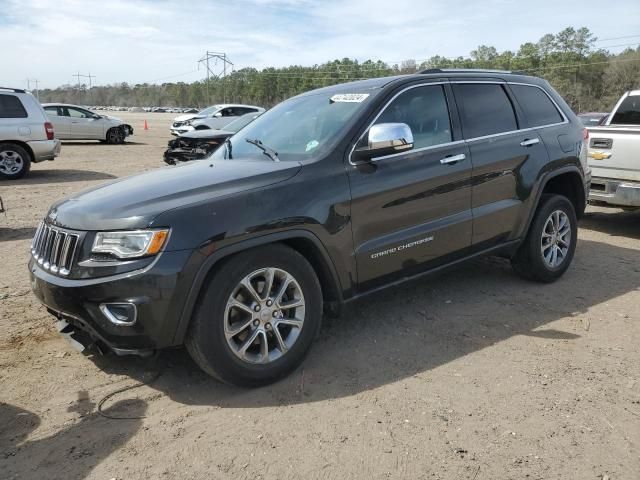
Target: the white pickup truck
(614, 155)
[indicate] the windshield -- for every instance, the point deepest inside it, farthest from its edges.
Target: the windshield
(298, 129)
(240, 122)
(209, 110)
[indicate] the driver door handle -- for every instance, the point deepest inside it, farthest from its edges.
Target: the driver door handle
(527, 142)
(451, 159)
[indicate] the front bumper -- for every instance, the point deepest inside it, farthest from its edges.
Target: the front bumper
(45, 149)
(158, 292)
(615, 192)
(180, 130)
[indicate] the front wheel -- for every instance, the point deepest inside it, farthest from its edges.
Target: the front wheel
(548, 249)
(257, 317)
(115, 136)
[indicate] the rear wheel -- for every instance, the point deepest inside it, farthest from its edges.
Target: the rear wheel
(257, 317)
(15, 161)
(548, 249)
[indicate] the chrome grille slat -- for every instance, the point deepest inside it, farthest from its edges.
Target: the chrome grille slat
(54, 249)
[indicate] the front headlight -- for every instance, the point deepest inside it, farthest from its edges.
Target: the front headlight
(130, 244)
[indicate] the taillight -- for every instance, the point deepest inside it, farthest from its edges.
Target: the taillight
(585, 134)
(49, 129)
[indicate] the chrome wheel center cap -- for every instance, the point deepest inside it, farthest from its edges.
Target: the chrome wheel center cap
(266, 314)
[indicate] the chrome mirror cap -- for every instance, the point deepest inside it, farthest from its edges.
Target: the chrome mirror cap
(386, 139)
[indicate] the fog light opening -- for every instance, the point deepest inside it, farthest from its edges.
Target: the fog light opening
(120, 313)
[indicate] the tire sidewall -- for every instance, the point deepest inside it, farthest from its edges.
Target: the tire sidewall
(26, 161)
(208, 332)
(540, 269)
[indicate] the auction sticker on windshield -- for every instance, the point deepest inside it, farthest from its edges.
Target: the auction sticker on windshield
(349, 97)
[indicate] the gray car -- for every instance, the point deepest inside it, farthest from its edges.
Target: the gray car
(26, 134)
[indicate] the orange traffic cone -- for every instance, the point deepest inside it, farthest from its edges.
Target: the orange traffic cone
(146, 127)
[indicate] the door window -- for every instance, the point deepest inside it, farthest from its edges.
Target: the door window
(425, 110)
(53, 111)
(485, 109)
(76, 113)
(537, 106)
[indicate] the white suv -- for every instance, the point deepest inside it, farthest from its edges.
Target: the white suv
(26, 135)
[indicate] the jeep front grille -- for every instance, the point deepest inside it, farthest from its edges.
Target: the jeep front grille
(54, 249)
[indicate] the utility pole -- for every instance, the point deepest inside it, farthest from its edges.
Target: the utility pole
(36, 81)
(225, 60)
(78, 75)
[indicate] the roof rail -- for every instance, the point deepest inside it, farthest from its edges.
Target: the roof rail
(16, 90)
(468, 70)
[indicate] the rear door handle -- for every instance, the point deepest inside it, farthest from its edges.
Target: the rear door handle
(449, 159)
(528, 142)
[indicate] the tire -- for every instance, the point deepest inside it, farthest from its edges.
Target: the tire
(220, 331)
(15, 161)
(115, 136)
(535, 259)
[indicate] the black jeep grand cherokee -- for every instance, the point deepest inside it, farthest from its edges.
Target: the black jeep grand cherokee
(326, 197)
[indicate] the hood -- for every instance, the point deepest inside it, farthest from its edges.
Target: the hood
(187, 116)
(133, 202)
(112, 119)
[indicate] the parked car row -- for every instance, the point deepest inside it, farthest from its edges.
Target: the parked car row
(198, 144)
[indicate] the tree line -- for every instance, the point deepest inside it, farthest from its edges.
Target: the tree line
(588, 77)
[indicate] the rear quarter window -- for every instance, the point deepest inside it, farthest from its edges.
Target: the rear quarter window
(11, 107)
(537, 106)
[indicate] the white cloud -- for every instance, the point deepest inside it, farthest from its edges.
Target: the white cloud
(136, 41)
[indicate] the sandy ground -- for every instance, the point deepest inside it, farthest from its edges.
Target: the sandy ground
(473, 374)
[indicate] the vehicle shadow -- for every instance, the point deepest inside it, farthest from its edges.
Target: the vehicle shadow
(68, 453)
(90, 143)
(411, 329)
(38, 176)
(11, 234)
(618, 223)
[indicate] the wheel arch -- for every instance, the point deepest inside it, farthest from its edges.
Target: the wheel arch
(566, 181)
(303, 241)
(21, 144)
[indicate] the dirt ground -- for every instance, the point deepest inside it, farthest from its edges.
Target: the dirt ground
(472, 374)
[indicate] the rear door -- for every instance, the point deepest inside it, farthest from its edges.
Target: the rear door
(61, 124)
(412, 210)
(503, 154)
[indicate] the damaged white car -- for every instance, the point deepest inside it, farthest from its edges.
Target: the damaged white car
(71, 122)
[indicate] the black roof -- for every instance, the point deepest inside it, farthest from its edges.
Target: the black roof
(362, 86)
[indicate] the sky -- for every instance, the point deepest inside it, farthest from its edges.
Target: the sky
(157, 41)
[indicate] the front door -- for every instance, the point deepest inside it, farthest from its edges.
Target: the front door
(85, 125)
(412, 210)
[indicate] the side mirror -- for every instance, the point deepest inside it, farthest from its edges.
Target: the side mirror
(386, 139)
(217, 115)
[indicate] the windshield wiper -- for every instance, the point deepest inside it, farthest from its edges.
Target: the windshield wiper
(269, 152)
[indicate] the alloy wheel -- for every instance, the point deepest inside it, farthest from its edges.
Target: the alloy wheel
(556, 239)
(10, 162)
(264, 316)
